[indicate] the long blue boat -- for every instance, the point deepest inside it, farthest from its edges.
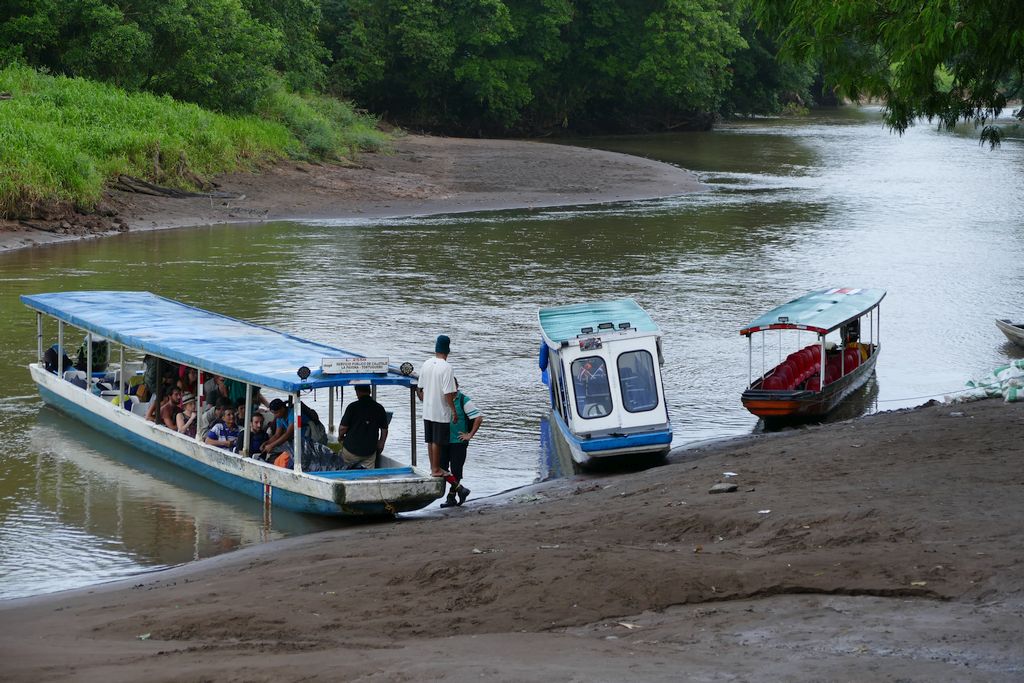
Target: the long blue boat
(261, 358)
(602, 364)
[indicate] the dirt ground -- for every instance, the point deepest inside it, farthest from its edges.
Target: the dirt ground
(421, 176)
(887, 548)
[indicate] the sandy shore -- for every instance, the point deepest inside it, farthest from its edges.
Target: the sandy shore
(886, 548)
(422, 176)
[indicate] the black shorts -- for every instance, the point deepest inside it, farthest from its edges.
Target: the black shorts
(437, 432)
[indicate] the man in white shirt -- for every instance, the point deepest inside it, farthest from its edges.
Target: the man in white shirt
(436, 388)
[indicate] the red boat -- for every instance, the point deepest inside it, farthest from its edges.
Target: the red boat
(812, 380)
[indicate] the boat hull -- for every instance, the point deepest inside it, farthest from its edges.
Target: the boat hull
(802, 404)
(365, 493)
(588, 451)
(1013, 332)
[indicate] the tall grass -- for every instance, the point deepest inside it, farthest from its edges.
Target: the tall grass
(63, 138)
(327, 128)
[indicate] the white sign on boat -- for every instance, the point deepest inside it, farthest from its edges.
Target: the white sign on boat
(354, 365)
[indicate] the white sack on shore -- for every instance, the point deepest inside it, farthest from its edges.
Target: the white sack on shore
(1006, 381)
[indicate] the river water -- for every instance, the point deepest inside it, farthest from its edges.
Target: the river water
(833, 199)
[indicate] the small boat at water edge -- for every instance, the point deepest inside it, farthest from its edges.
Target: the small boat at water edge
(602, 364)
(256, 357)
(811, 381)
(1013, 331)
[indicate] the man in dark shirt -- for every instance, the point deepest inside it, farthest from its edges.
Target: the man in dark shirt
(257, 437)
(363, 430)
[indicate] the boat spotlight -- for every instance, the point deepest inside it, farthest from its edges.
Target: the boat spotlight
(405, 368)
(303, 372)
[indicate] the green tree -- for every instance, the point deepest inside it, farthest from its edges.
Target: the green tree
(532, 64)
(218, 53)
(944, 60)
(763, 84)
(302, 58)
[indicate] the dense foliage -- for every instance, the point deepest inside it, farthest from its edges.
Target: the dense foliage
(464, 65)
(945, 60)
(216, 53)
(486, 64)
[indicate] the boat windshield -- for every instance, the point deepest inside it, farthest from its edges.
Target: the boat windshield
(637, 381)
(590, 383)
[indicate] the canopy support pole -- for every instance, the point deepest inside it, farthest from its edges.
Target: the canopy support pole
(120, 378)
(88, 361)
(39, 337)
(247, 434)
(60, 349)
(412, 423)
(821, 372)
(764, 344)
(297, 436)
(750, 359)
(200, 437)
(330, 410)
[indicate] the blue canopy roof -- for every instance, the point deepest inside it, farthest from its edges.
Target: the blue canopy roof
(563, 323)
(820, 311)
(209, 341)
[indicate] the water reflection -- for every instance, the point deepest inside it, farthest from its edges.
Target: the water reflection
(100, 508)
(830, 200)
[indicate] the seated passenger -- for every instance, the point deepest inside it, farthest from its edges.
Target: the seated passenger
(240, 411)
(213, 414)
(188, 378)
(363, 430)
(187, 418)
(168, 408)
(284, 430)
(853, 342)
(51, 359)
(214, 389)
(225, 433)
(100, 354)
(257, 437)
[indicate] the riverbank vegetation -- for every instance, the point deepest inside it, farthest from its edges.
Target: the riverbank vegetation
(538, 67)
(463, 66)
(64, 138)
(266, 78)
(556, 66)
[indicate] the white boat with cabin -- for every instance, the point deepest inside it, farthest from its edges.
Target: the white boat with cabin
(251, 354)
(602, 364)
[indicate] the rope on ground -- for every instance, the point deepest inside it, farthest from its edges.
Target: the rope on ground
(915, 398)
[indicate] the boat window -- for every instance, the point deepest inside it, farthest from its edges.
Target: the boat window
(637, 380)
(590, 383)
